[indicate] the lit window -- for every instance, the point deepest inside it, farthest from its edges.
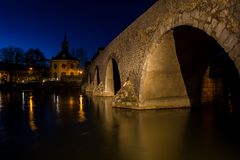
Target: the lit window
(63, 66)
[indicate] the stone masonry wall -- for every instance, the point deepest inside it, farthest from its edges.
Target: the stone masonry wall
(218, 18)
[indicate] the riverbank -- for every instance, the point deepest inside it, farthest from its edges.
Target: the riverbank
(48, 85)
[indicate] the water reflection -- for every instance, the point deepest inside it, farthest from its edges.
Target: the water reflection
(142, 134)
(103, 109)
(91, 129)
(153, 135)
(168, 134)
(71, 102)
(32, 122)
(65, 102)
(23, 100)
(81, 112)
(56, 102)
(4, 99)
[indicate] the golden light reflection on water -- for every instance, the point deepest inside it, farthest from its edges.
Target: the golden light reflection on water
(81, 112)
(31, 115)
(71, 102)
(156, 135)
(151, 134)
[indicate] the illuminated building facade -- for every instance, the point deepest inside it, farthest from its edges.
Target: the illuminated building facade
(64, 66)
(4, 76)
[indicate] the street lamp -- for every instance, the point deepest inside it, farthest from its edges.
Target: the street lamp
(80, 72)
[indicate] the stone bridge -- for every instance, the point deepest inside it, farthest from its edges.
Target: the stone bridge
(179, 53)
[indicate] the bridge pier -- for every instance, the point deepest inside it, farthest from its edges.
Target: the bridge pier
(126, 97)
(162, 82)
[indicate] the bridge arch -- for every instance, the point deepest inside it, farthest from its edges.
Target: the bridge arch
(183, 70)
(112, 78)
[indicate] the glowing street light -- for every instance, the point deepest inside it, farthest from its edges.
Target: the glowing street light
(80, 72)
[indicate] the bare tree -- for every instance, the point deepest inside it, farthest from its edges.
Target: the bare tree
(12, 55)
(35, 57)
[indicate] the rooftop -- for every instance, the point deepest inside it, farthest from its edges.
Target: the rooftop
(64, 54)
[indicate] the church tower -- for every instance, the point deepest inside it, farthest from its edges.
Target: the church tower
(64, 66)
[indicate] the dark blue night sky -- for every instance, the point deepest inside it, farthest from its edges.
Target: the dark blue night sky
(89, 24)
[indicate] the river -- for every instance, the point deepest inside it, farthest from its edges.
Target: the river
(67, 125)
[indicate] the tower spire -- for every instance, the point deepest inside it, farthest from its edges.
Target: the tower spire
(65, 42)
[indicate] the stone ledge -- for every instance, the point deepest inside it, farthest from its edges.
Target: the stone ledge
(166, 103)
(162, 103)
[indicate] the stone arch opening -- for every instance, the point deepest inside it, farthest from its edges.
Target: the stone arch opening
(89, 79)
(180, 65)
(112, 81)
(209, 74)
(96, 81)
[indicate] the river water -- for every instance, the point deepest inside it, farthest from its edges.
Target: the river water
(67, 125)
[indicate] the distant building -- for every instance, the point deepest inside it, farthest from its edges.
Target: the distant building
(64, 66)
(16, 73)
(4, 76)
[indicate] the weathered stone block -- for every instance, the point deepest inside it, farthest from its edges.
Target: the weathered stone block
(209, 30)
(224, 35)
(206, 26)
(230, 42)
(195, 14)
(235, 56)
(209, 19)
(195, 23)
(214, 23)
(186, 17)
(219, 29)
(203, 16)
(223, 13)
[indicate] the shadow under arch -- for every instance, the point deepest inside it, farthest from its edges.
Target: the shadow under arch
(112, 79)
(174, 70)
(204, 63)
(89, 79)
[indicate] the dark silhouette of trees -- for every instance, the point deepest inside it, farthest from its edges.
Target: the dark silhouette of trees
(16, 62)
(35, 57)
(36, 60)
(15, 55)
(12, 55)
